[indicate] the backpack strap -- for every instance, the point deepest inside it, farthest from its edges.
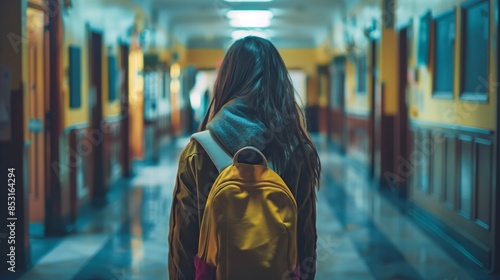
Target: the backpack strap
(250, 149)
(217, 154)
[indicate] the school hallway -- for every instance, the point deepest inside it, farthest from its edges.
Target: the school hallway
(361, 233)
(400, 95)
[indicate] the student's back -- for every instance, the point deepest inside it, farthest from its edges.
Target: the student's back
(253, 105)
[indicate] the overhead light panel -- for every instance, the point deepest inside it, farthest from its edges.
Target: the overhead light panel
(238, 34)
(250, 18)
(248, 0)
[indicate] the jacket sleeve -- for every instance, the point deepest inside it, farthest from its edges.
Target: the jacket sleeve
(306, 226)
(184, 226)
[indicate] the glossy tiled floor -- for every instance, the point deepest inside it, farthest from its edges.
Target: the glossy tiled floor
(360, 234)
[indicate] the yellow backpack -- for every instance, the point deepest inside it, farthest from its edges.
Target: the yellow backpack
(249, 226)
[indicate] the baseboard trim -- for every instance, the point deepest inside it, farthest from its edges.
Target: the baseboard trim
(453, 242)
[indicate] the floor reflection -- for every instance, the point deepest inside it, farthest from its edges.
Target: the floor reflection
(360, 234)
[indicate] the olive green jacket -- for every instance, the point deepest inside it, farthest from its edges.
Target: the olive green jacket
(195, 177)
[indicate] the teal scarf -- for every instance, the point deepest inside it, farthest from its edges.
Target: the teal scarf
(236, 125)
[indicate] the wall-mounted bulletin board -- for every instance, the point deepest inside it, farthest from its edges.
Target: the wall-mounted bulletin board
(113, 78)
(444, 53)
(475, 50)
(423, 39)
(361, 74)
(75, 77)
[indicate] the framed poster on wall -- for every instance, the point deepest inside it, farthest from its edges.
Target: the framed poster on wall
(444, 54)
(361, 74)
(423, 39)
(113, 76)
(75, 77)
(475, 49)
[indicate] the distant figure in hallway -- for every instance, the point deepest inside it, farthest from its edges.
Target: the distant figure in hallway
(253, 104)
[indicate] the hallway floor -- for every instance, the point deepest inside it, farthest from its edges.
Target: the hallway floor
(361, 235)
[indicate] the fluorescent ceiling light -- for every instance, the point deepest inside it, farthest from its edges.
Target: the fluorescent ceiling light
(250, 23)
(249, 18)
(238, 34)
(248, 0)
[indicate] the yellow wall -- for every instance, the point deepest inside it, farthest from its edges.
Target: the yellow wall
(164, 55)
(425, 107)
(324, 53)
(204, 58)
(389, 70)
(306, 59)
(114, 23)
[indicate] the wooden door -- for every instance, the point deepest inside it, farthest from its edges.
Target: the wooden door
(373, 88)
(124, 100)
(37, 109)
(383, 134)
(95, 104)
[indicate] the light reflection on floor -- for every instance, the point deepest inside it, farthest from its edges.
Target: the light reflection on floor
(360, 234)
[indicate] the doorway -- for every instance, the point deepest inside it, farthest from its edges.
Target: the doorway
(401, 125)
(374, 118)
(38, 108)
(95, 106)
(124, 101)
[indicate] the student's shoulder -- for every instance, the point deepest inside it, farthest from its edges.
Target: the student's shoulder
(193, 148)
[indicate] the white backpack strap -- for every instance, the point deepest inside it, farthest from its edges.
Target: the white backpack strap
(219, 156)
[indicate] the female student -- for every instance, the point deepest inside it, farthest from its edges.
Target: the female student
(253, 104)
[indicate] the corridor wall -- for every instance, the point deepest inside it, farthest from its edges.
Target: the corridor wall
(304, 59)
(452, 162)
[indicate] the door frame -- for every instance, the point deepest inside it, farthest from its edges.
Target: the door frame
(96, 116)
(323, 74)
(124, 102)
(496, 191)
(373, 88)
(55, 223)
(402, 127)
(344, 132)
(46, 132)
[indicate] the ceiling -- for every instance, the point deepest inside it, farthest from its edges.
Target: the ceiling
(203, 23)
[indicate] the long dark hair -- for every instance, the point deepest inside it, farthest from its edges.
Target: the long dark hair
(254, 68)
